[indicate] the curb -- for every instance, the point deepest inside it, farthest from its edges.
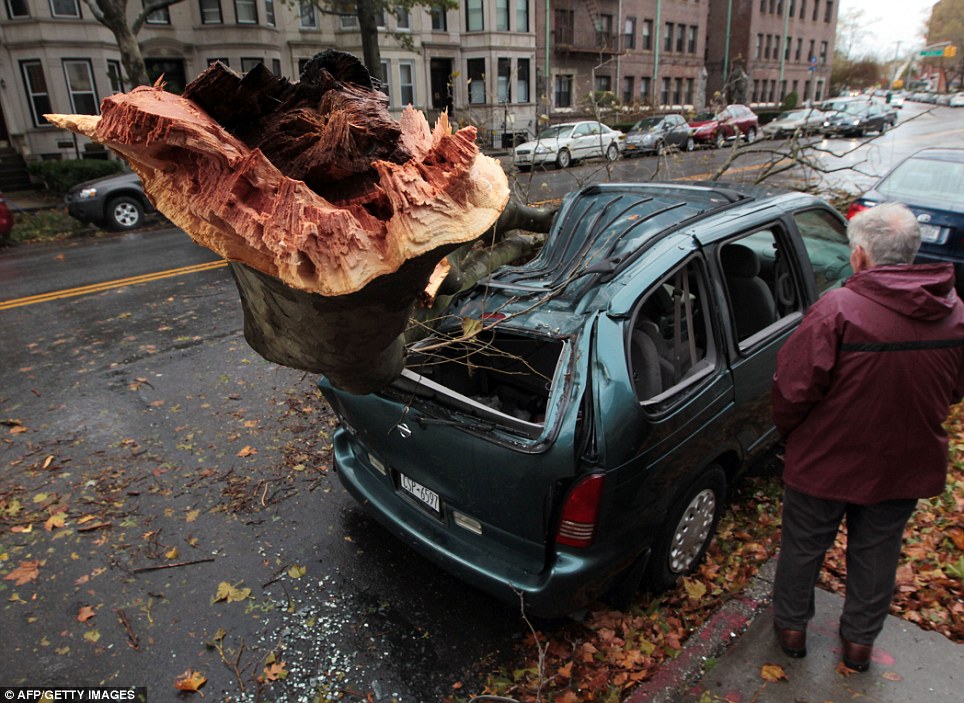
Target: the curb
(709, 642)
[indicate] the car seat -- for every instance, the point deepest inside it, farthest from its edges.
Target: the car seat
(751, 300)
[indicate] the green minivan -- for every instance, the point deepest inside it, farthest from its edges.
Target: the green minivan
(572, 431)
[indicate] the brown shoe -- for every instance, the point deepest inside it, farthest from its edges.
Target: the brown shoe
(856, 656)
(792, 642)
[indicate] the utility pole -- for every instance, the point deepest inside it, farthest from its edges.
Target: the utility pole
(893, 78)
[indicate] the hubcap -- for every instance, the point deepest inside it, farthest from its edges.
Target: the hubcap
(126, 214)
(693, 531)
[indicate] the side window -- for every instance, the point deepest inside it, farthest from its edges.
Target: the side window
(825, 238)
(671, 343)
(760, 282)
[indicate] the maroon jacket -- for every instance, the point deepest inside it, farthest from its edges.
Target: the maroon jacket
(864, 384)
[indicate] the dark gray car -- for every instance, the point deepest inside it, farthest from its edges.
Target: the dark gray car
(115, 202)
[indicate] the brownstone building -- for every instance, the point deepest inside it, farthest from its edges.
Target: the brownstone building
(782, 47)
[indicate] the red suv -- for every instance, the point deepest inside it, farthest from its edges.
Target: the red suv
(6, 219)
(717, 129)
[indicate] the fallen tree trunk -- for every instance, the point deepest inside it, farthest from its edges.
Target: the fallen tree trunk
(310, 186)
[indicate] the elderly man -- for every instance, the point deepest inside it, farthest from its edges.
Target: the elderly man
(860, 394)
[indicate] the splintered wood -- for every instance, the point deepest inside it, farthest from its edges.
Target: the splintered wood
(313, 182)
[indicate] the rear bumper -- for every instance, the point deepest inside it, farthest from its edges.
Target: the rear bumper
(574, 579)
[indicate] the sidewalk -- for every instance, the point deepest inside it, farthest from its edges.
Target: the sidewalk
(31, 200)
(910, 665)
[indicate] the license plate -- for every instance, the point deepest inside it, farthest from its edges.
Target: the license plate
(425, 496)
(930, 233)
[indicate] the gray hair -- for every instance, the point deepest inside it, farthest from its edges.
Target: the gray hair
(888, 232)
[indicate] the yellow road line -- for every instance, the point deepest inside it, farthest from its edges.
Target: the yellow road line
(742, 169)
(108, 285)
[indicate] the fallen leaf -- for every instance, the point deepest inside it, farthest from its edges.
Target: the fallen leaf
(171, 553)
(772, 673)
(190, 680)
(22, 528)
(694, 589)
(85, 614)
(47, 461)
(957, 536)
(296, 572)
(54, 521)
(891, 676)
(92, 635)
(27, 571)
(247, 451)
(192, 515)
(231, 594)
(275, 671)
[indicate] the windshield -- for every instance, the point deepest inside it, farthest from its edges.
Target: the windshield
(704, 116)
(925, 179)
(560, 130)
(646, 125)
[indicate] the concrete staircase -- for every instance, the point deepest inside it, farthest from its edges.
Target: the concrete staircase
(13, 170)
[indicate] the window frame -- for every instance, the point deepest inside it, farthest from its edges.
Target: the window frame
(76, 14)
(208, 9)
(523, 80)
(309, 21)
(252, 6)
(37, 111)
(21, 5)
(474, 16)
(476, 77)
(403, 86)
(74, 92)
(115, 76)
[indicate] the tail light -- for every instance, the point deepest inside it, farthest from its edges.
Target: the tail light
(577, 525)
(856, 207)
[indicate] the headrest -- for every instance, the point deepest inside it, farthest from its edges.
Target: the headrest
(739, 260)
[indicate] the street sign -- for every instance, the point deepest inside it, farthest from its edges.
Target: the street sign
(932, 52)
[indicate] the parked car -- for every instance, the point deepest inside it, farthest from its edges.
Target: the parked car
(115, 202)
(6, 218)
(930, 183)
(653, 134)
(807, 120)
(564, 144)
(735, 121)
(957, 100)
(583, 442)
(858, 118)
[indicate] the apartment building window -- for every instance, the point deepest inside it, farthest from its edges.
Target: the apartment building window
(440, 22)
(522, 16)
(211, 12)
(691, 40)
(796, 84)
(773, 6)
(819, 96)
(629, 33)
(689, 91)
(162, 16)
(780, 8)
(35, 86)
(348, 23)
(219, 59)
(758, 51)
(406, 82)
(380, 20)
(783, 90)
(604, 31)
(792, 8)
(17, 8)
(564, 26)
(403, 20)
(811, 55)
(647, 35)
(668, 39)
(806, 90)
(766, 50)
(763, 6)
(754, 96)
(823, 52)
(308, 15)
(276, 66)
(773, 90)
(678, 91)
(604, 84)
(502, 15)
(504, 78)
(65, 8)
(522, 81)
(788, 42)
(80, 86)
(386, 80)
(799, 49)
(828, 11)
(114, 76)
(816, 10)
(803, 8)
(629, 86)
(474, 16)
(680, 38)
(664, 94)
(476, 74)
(563, 91)
(249, 63)
(245, 11)
(269, 17)
(644, 84)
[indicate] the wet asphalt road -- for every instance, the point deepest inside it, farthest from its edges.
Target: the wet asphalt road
(140, 415)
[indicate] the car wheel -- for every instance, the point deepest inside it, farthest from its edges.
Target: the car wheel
(690, 144)
(884, 127)
(124, 212)
(751, 135)
(688, 530)
(720, 140)
(612, 152)
(564, 159)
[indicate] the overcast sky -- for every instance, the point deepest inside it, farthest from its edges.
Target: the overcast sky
(890, 21)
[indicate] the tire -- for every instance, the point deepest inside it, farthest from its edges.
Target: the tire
(719, 141)
(612, 152)
(124, 213)
(690, 144)
(689, 528)
(563, 159)
(751, 135)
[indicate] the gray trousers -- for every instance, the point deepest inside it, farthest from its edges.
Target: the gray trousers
(874, 537)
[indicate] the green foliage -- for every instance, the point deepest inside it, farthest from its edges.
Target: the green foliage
(60, 176)
(47, 224)
(790, 101)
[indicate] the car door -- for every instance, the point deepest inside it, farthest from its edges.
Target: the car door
(677, 131)
(583, 142)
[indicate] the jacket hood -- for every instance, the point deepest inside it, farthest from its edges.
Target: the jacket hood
(922, 291)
